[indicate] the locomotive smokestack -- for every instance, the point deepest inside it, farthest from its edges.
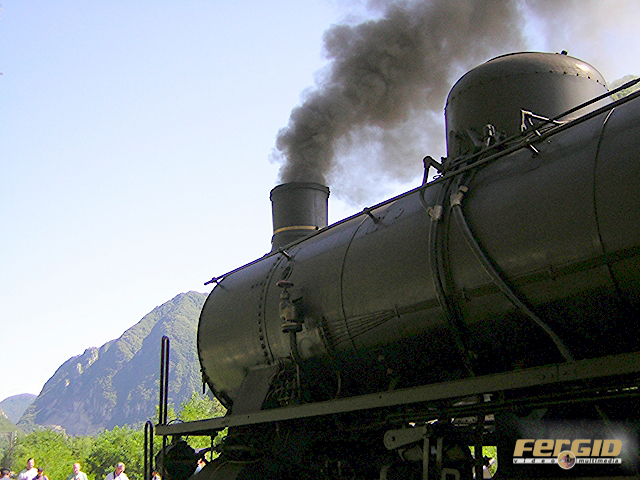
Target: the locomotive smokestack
(298, 210)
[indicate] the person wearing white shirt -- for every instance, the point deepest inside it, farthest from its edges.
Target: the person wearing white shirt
(118, 474)
(77, 473)
(30, 472)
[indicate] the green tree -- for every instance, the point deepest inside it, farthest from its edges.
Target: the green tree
(171, 414)
(121, 444)
(201, 407)
(7, 439)
(626, 91)
(491, 453)
(54, 451)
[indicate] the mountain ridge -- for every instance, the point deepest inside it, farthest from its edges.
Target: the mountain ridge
(14, 406)
(117, 384)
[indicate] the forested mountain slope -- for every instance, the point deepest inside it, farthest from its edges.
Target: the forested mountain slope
(117, 384)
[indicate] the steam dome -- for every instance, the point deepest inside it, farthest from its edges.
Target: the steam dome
(497, 92)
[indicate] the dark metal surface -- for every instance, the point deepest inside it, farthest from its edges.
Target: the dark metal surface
(148, 450)
(298, 209)
(365, 292)
(548, 375)
(497, 91)
(515, 273)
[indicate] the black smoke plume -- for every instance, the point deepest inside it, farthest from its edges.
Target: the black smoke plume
(378, 107)
(385, 74)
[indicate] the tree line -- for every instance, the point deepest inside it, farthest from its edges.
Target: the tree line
(56, 452)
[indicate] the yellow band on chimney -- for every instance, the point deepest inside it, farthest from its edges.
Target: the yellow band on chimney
(296, 227)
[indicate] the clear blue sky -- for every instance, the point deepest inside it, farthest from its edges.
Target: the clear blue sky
(134, 145)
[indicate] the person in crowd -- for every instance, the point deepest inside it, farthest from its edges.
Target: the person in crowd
(5, 473)
(77, 473)
(202, 462)
(156, 475)
(40, 475)
(118, 473)
(30, 472)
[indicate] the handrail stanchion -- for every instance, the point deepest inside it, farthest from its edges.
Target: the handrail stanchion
(148, 450)
(164, 394)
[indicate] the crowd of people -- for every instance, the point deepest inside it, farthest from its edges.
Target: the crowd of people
(33, 473)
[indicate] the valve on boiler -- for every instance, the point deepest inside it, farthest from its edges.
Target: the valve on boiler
(287, 309)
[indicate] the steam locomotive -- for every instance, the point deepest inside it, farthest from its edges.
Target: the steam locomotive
(494, 304)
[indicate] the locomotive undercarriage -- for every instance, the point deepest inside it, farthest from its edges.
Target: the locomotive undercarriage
(425, 432)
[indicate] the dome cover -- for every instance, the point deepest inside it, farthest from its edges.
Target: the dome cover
(497, 92)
